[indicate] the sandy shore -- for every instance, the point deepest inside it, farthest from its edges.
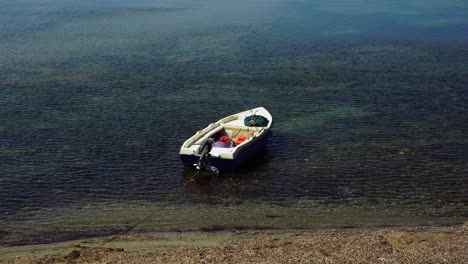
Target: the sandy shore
(386, 245)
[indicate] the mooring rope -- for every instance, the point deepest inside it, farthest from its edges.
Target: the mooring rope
(145, 219)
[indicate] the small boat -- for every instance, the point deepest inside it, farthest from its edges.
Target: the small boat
(226, 144)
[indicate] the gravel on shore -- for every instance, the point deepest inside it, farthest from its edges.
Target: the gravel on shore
(383, 245)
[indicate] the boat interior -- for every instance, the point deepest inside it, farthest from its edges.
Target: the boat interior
(231, 126)
(235, 133)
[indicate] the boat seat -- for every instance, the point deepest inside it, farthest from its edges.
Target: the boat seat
(246, 128)
(235, 132)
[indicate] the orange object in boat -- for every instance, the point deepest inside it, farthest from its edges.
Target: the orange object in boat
(240, 140)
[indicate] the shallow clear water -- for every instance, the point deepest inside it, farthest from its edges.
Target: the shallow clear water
(96, 97)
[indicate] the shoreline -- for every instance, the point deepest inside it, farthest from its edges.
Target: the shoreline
(447, 244)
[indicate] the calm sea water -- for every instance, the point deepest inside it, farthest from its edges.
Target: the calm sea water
(369, 100)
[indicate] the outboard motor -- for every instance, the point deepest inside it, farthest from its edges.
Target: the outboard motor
(204, 163)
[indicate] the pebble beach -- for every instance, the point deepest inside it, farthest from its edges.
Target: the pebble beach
(379, 245)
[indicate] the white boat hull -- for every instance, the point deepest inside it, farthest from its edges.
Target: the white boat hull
(229, 158)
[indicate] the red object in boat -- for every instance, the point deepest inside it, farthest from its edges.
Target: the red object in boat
(240, 140)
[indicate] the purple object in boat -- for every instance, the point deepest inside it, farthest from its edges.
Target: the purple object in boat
(220, 144)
